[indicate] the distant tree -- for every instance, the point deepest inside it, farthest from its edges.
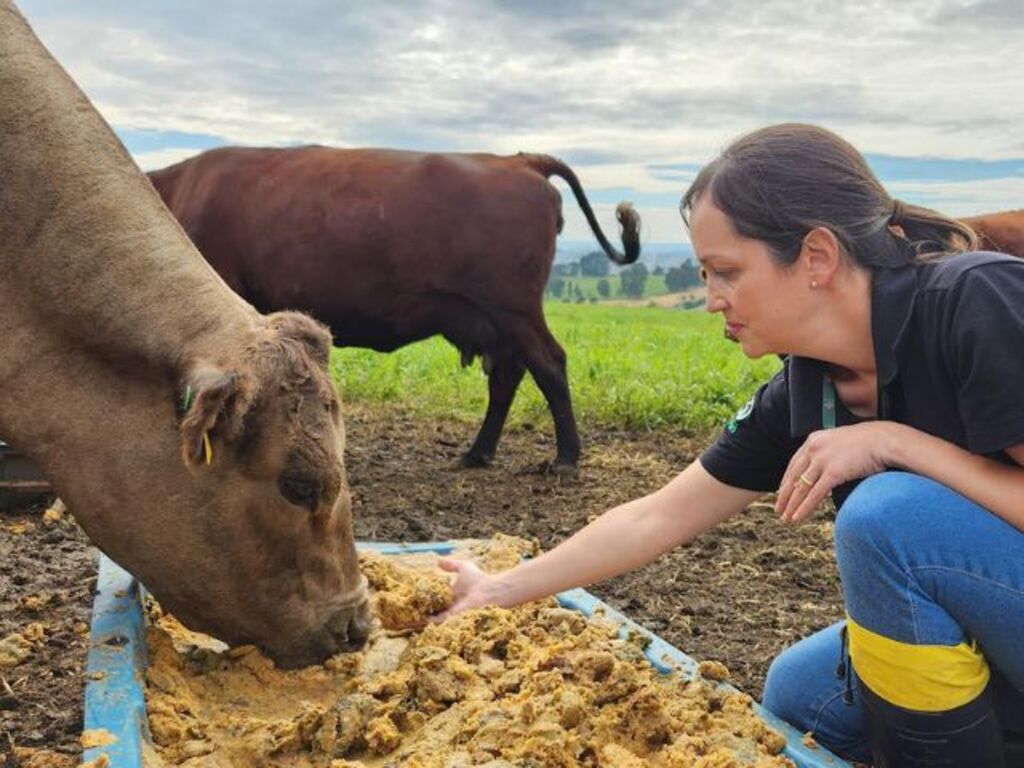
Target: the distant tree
(568, 269)
(684, 276)
(675, 280)
(633, 279)
(594, 264)
(577, 293)
(604, 289)
(658, 270)
(556, 286)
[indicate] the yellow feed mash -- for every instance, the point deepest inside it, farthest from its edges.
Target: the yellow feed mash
(537, 685)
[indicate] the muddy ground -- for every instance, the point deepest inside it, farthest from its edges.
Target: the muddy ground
(47, 578)
(739, 594)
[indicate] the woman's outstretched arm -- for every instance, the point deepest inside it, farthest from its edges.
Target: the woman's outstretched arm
(626, 537)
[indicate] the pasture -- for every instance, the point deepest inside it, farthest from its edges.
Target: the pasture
(631, 368)
(651, 387)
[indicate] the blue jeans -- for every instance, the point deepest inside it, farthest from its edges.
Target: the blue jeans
(922, 565)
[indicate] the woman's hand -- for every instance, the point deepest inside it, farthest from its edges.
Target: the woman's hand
(472, 588)
(829, 458)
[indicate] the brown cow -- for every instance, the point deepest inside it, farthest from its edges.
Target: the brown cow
(120, 350)
(1003, 231)
(390, 247)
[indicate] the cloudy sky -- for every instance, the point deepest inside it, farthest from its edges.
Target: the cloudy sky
(635, 94)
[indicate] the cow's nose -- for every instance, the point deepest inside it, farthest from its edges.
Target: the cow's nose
(356, 637)
(359, 628)
(351, 627)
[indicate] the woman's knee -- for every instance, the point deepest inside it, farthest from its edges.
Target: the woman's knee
(881, 511)
(783, 696)
(803, 676)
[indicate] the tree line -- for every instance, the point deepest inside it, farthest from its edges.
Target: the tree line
(632, 280)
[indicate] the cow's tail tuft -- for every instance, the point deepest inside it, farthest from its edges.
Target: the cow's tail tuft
(629, 219)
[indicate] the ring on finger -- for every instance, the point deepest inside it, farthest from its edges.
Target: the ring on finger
(806, 480)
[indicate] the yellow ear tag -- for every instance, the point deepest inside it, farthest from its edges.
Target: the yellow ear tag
(207, 448)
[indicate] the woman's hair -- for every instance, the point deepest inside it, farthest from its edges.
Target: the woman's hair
(778, 183)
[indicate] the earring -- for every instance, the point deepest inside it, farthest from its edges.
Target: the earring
(814, 283)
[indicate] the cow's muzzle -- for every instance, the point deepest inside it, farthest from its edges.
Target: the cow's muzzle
(350, 624)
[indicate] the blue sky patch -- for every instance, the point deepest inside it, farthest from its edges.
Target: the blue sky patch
(891, 168)
(140, 140)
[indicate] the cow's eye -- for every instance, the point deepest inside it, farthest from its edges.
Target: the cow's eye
(301, 493)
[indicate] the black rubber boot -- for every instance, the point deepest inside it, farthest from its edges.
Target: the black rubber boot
(1013, 748)
(1010, 705)
(966, 737)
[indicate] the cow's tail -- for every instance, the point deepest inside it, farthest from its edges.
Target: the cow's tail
(629, 219)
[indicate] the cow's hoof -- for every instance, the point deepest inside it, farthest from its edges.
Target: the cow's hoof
(472, 460)
(557, 468)
(564, 468)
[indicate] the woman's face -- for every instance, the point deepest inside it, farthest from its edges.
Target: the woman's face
(765, 305)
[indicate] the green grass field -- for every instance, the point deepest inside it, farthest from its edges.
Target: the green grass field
(637, 368)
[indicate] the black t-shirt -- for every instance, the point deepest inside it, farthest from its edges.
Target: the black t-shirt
(949, 348)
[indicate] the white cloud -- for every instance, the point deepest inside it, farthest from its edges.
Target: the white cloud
(659, 224)
(636, 82)
(150, 161)
(964, 198)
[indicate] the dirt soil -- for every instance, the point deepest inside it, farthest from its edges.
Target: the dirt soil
(47, 581)
(738, 595)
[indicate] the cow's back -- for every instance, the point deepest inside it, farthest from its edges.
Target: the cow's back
(1002, 231)
(371, 241)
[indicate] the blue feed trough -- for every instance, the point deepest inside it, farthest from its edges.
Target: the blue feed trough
(115, 702)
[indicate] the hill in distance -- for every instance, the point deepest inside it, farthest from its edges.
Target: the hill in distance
(652, 255)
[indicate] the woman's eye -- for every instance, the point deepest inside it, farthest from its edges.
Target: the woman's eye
(299, 492)
(703, 274)
(719, 274)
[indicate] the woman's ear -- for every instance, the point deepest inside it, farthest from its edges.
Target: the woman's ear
(820, 256)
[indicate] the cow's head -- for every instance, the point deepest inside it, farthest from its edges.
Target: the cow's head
(270, 558)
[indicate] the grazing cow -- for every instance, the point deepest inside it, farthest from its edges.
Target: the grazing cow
(1003, 231)
(390, 247)
(122, 352)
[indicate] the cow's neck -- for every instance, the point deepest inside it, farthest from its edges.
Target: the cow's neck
(98, 284)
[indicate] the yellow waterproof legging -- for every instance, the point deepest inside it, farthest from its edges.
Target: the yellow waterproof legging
(926, 678)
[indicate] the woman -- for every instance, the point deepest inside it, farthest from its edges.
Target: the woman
(902, 394)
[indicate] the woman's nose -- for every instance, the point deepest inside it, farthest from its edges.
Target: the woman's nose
(715, 302)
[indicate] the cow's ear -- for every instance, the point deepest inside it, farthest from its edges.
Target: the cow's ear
(214, 403)
(312, 334)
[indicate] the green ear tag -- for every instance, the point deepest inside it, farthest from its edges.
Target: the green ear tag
(186, 399)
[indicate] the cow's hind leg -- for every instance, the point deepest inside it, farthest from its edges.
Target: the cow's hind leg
(506, 371)
(545, 359)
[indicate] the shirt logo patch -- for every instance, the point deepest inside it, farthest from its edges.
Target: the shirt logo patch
(742, 414)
